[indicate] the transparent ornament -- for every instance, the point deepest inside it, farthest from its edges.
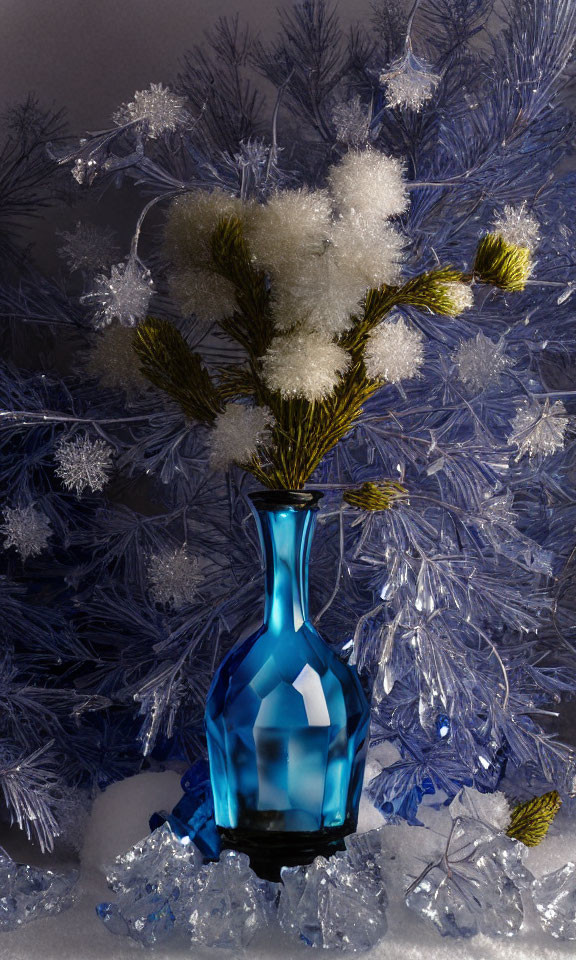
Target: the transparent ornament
(157, 107)
(351, 119)
(174, 577)
(481, 362)
(538, 429)
(26, 529)
(27, 893)
(409, 82)
(89, 247)
(123, 296)
(83, 464)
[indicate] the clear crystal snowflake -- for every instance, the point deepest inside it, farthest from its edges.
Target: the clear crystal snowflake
(480, 361)
(88, 247)
(409, 82)
(123, 296)
(83, 463)
(173, 577)
(157, 107)
(351, 120)
(26, 529)
(538, 429)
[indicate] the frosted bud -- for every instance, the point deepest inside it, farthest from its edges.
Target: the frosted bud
(237, 434)
(289, 229)
(370, 184)
(460, 295)
(394, 352)
(203, 293)
(368, 250)
(113, 360)
(517, 226)
(304, 364)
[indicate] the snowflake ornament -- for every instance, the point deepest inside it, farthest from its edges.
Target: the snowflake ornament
(84, 464)
(538, 429)
(123, 296)
(88, 247)
(26, 529)
(480, 362)
(304, 364)
(173, 577)
(157, 108)
(394, 352)
(351, 119)
(517, 226)
(237, 434)
(409, 82)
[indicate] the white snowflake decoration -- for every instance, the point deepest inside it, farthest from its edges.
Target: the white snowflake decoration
(237, 434)
(351, 119)
(394, 352)
(157, 107)
(481, 362)
(88, 247)
(517, 226)
(173, 577)
(304, 364)
(123, 296)
(84, 463)
(538, 429)
(409, 82)
(460, 294)
(26, 529)
(370, 184)
(113, 360)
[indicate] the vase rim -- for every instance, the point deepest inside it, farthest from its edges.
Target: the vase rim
(277, 499)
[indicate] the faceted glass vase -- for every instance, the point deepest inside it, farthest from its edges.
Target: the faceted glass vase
(286, 718)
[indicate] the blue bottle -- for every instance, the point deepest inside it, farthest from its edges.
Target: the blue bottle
(286, 719)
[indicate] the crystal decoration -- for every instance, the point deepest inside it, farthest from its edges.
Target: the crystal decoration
(193, 815)
(26, 529)
(340, 903)
(286, 719)
(88, 247)
(83, 463)
(351, 119)
(29, 892)
(481, 362)
(554, 897)
(409, 82)
(538, 429)
(123, 296)
(174, 577)
(157, 107)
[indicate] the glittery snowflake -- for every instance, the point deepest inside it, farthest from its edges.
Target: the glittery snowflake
(123, 296)
(394, 352)
(113, 360)
(157, 107)
(83, 463)
(409, 82)
(88, 247)
(518, 226)
(304, 364)
(237, 434)
(480, 361)
(538, 429)
(173, 577)
(26, 529)
(351, 120)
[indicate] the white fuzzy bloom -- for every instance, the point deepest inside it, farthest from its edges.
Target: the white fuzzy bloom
(394, 352)
(173, 577)
(370, 184)
(538, 429)
(304, 364)
(291, 227)
(517, 226)
(237, 434)
(367, 250)
(409, 82)
(113, 360)
(157, 107)
(123, 296)
(480, 361)
(203, 293)
(88, 247)
(26, 529)
(83, 463)
(190, 222)
(351, 119)
(460, 294)
(322, 297)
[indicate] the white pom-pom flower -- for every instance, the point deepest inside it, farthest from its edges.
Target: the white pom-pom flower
(291, 227)
(322, 297)
(191, 221)
(157, 107)
(460, 295)
(26, 529)
(113, 360)
(203, 293)
(123, 296)
(409, 82)
(173, 577)
(517, 226)
(84, 463)
(304, 364)
(394, 352)
(351, 119)
(367, 249)
(88, 247)
(370, 184)
(538, 429)
(481, 362)
(237, 434)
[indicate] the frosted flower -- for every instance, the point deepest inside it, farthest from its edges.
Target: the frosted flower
(173, 577)
(237, 434)
(83, 463)
(480, 361)
(113, 360)
(203, 293)
(190, 222)
(89, 247)
(366, 249)
(304, 364)
(123, 296)
(26, 529)
(409, 82)
(394, 352)
(286, 231)
(460, 294)
(322, 297)
(370, 184)
(351, 119)
(157, 107)
(517, 226)
(538, 429)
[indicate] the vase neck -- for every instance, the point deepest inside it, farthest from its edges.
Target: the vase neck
(286, 524)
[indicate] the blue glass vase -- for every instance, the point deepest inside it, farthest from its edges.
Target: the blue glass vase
(286, 718)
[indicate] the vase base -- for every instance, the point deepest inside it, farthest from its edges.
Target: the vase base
(270, 850)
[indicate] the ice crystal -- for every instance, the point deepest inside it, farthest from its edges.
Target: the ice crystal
(174, 577)
(89, 247)
(205, 294)
(237, 434)
(460, 294)
(157, 107)
(122, 296)
(538, 429)
(481, 362)
(554, 897)
(492, 809)
(370, 184)
(517, 226)
(26, 529)
(27, 893)
(83, 463)
(351, 119)
(409, 82)
(304, 364)
(113, 360)
(394, 352)
(190, 222)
